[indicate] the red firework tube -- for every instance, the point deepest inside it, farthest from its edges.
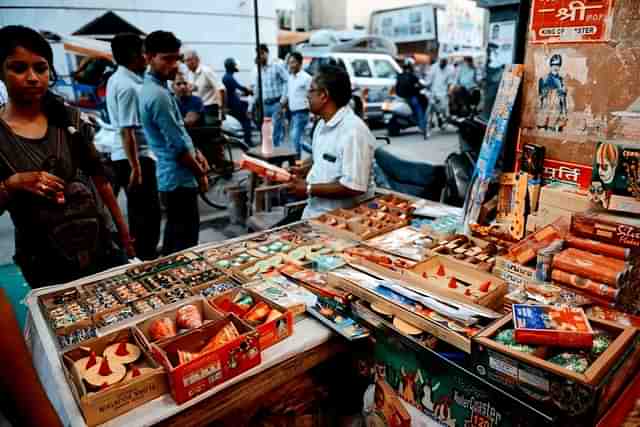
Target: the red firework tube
(597, 247)
(589, 286)
(608, 262)
(587, 268)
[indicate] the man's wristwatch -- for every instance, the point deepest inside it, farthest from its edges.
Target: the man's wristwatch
(308, 190)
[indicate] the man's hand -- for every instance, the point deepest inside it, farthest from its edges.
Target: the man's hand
(298, 187)
(301, 170)
(203, 184)
(201, 160)
(136, 177)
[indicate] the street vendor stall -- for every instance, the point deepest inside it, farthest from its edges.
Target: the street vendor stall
(521, 309)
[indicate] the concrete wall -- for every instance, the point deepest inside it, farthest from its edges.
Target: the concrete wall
(217, 29)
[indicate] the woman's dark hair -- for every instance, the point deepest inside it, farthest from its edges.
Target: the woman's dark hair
(126, 47)
(14, 36)
(336, 81)
(161, 42)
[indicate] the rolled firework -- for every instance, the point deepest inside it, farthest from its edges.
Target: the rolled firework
(597, 247)
(587, 268)
(589, 286)
(608, 262)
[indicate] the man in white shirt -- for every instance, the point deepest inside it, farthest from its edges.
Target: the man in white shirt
(341, 175)
(296, 100)
(206, 85)
(441, 78)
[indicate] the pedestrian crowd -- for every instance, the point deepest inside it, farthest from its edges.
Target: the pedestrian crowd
(61, 193)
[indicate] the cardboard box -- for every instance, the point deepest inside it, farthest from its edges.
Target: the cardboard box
(209, 314)
(271, 332)
(425, 275)
(440, 330)
(210, 369)
(565, 197)
(577, 398)
(284, 292)
(122, 397)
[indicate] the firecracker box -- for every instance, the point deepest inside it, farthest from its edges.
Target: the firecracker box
(208, 313)
(550, 325)
(578, 398)
(271, 332)
(615, 183)
(209, 369)
(616, 229)
(100, 406)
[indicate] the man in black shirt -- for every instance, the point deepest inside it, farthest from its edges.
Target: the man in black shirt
(408, 87)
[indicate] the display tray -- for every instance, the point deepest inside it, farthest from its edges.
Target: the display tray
(406, 242)
(360, 223)
(99, 406)
(470, 250)
(446, 277)
(146, 327)
(272, 329)
(448, 330)
(583, 388)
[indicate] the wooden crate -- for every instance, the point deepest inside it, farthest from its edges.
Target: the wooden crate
(553, 386)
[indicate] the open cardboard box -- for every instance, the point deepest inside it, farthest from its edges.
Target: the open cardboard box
(99, 407)
(209, 314)
(271, 332)
(207, 370)
(468, 280)
(438, 329)
(588, 394)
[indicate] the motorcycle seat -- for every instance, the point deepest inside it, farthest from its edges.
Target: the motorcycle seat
(417, 178)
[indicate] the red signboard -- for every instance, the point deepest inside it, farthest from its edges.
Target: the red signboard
(570, 20)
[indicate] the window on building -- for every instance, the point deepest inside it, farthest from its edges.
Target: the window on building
(384, 69)
(361, 68)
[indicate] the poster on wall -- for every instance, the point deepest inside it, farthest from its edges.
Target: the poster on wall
(562, 21)
(501, 42)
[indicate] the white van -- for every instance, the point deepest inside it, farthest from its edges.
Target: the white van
(371, 73)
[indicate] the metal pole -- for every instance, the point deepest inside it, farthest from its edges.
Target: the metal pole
(260, 99)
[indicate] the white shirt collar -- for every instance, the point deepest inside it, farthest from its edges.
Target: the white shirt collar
(338, 117)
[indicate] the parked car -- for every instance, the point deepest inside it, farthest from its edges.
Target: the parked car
(372, 76)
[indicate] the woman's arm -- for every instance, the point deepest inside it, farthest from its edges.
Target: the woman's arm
(18, 379)
(110, 201)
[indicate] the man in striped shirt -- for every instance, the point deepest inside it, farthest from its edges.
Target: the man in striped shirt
(274, 88)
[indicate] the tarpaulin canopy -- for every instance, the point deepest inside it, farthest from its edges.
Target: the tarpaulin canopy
(87, 47)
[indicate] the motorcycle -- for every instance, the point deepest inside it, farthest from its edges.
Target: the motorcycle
(398, 115)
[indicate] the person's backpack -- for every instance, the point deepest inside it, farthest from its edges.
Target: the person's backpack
(75, 233)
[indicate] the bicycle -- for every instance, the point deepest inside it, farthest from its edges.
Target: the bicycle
(208, 140)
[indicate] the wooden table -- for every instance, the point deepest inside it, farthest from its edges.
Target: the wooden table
(277, 157)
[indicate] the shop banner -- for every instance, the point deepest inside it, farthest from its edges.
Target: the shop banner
(570, 20)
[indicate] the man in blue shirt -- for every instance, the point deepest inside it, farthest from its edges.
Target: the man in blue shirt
(191, 106)
(181, 169)
(274, 87)
(237, 108)
(133, 162)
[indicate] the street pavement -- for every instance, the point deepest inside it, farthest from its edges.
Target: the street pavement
(215, 223)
